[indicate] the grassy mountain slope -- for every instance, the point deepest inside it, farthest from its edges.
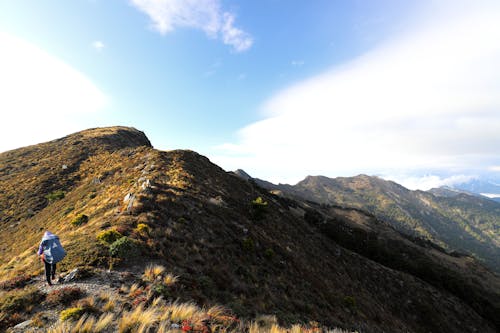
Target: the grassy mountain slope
(461, 222)
(272, 256)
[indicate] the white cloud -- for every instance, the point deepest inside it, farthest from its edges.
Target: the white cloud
(429, 181)
(42, 97)
(98, 45)
(298, 63)
(206, 15)
(427, 98)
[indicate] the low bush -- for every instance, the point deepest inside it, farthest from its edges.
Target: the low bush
(108, 237)
(350, 302)
(9, 320)
(72, 314)
(19, 300)
(79, 220)
(17, 282)
(68, 210)
(143, 229)
(269, 253)
(123, 248)
(64, 295)
(259, 208)
(247, 244)
(54, 196)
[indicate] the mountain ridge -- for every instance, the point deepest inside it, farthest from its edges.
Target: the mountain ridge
(230, 241)
(460, 222)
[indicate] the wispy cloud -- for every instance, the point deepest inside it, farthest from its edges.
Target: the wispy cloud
(42, 97)
(212, 70)
(429, 181)
(98, 45)
(427, 98)
(298, 63)
(205, 15)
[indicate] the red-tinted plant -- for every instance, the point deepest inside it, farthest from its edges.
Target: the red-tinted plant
(17, 282)
(186, 326)
(64, 295)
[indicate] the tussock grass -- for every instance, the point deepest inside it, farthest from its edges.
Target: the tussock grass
(86, 324)
(133, 289)
(139, 318)
(170, 279)
(177, 312)
(153, 272)
(104, 322)
(109, 306)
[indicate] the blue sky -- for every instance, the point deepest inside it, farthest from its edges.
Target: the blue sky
(408, 90)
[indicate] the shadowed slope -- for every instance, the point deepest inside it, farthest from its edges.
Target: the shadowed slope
(206, 226)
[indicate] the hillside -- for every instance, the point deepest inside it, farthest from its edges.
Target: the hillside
(455, 220)
(230, 241)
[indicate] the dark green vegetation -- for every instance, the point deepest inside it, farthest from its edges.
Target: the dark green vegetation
(297, 260)
(455, 221)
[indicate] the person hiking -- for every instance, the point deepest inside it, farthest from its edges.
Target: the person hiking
(50, 252)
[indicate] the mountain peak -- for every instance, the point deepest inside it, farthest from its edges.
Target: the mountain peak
(242, 174)
(117, 136)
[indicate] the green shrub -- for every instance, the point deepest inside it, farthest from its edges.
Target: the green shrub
(159, 289)
(54, 196)
(123, 248)
(108, 237)
(247, 244)
(79, 220)
(350, 302)
(72, 314)
(143, 228)
(259, 208)
(68, 210)
(269, 253)
(259, 203)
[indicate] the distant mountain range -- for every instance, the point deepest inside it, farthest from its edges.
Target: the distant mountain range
(453, 219)
(486, 187)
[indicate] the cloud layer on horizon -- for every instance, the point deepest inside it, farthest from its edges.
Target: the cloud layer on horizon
(425, 99)
(205, 15)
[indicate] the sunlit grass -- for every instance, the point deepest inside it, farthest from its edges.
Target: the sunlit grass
(177, 312)
(137, 318)
(170, 279)
(153, 272)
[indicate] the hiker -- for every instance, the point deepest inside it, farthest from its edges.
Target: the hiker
(50, 252)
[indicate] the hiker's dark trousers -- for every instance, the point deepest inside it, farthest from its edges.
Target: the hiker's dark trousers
(50, 271)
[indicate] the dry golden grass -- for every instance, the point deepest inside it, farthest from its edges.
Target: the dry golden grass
(133, 289)
(104, 322)
(86, 324)
(109, 306)
(153, 272)
(160, 316)
(255, 327)
(137, 318)
(170, 279)
(177, 312)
